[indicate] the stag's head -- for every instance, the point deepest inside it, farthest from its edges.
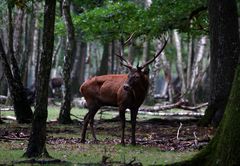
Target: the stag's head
(135, 77)
(139, 74)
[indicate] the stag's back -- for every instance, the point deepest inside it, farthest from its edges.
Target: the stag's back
(103, 90)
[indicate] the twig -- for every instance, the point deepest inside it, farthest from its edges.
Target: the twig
(196, 139)
(76, 117)
(194, 108)
(179, 130)
(13, 139)
(179, 104)
(131, 162)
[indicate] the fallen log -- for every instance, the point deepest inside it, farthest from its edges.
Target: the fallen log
(6, 108)
(8, 118)
(179, 104)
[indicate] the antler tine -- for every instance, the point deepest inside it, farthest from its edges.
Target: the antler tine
(128, 64)
(156, 55)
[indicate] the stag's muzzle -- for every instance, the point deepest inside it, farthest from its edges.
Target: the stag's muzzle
(127, 87)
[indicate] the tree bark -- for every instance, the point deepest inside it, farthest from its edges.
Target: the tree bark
(64, 116)
(37, 141)
(223, 37)
(17, 36)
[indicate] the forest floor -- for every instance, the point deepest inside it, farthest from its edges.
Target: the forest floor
(159, 140)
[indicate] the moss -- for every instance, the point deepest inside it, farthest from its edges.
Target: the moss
(227, 150)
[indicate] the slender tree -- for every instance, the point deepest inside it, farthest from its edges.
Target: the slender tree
(37, 141)
(64, 116)
(104, 62)
(180, 67)
(21, 105)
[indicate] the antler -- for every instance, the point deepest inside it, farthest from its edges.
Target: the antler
(155, 56)
(127, 63)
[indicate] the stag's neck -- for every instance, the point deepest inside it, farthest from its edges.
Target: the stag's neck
(140, 92)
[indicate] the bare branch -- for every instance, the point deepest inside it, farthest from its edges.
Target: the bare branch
(129, 39)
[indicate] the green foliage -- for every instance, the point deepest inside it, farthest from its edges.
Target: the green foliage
(118, 19)
(184, 15)
(113, 21)
(88, 4)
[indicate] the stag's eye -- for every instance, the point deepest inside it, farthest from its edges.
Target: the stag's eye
(137, 76)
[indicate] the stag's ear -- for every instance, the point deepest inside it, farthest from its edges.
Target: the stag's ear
(146, 70)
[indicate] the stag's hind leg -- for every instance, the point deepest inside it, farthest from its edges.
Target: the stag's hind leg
(89, 117)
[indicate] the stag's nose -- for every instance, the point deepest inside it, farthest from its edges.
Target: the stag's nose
(126, 87)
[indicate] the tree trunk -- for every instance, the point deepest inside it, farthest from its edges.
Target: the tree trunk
(29, 40)
(104, 62)
(190, 61)
(3, 83)
(195, 70)
(224, 59)
(33, 58)
(21, 106)
(224, 147)
(37, 141)
(146, 50)
(113, 57)
(17, 42)
(167, 90)
(64, 116)
(78, 71)
(179, 61)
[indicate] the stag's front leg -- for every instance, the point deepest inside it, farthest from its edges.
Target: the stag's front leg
(122, 117)
(133, 122)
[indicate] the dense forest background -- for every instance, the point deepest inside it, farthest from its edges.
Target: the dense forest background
(48, 49)
(100, 27)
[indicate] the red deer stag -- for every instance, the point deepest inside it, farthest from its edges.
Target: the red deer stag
(121, 90)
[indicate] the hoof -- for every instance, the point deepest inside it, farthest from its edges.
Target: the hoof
(95, 141)
(133, 143)
(82, 141)
(123, 143)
